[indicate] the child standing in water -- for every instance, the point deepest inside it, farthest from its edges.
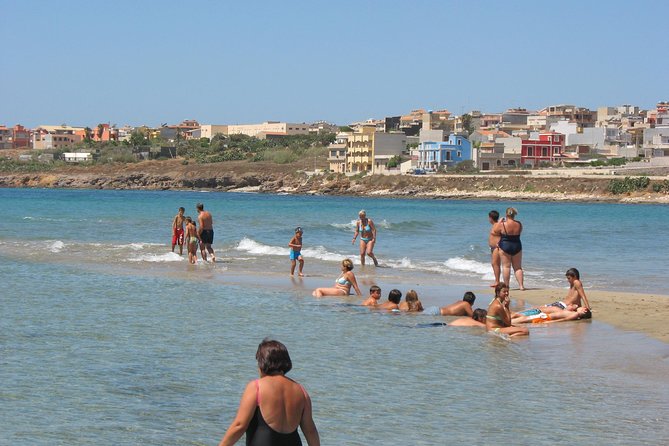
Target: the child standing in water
(192, 240)
(295, 245)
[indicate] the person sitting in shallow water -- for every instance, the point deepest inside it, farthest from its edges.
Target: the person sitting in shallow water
(554, 316)
(411, 303)
(498, 318)
(343, 283)
(393, 303)
(374, 297)
(462, 308)
(477, 319)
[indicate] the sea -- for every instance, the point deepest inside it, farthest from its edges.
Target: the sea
(108, 337)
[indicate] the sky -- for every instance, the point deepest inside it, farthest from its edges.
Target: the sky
(148, 62)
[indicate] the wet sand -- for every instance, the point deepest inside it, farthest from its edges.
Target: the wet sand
(645, 313)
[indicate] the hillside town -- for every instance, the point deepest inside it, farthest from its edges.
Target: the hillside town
(422, 141)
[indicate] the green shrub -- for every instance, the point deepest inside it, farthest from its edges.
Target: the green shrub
(628, 185)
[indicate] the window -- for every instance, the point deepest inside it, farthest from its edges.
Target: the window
(544, 151)
(459, 154)
(459, 141)
(530, 151)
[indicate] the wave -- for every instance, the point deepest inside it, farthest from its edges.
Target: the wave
(56, 246)
(318, 252)
(385, 224)
(167, 257)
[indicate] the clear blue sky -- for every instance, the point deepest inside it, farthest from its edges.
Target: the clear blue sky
(223, 62)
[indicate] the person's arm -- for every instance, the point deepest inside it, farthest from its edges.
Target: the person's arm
(174, 226)
(354, 282)
(247, 406)
(307, 424)
(293, 243)
(357, 231)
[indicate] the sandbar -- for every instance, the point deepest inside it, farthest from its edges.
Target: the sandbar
(645, 313)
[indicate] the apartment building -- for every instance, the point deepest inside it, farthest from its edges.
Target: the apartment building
(211, 130)
(370, 151)
(337, 153)
(272, 128)
(47, 137)
(436, 154)
(547, 148)
(5, 137)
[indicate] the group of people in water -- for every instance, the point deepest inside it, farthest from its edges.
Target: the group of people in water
(285, 404)
(192, 236)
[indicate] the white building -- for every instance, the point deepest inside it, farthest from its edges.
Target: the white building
(269, 128)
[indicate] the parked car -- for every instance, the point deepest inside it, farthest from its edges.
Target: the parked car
(417, 171)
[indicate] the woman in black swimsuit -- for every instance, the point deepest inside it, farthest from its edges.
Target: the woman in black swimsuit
(273, 406)
(511, 248)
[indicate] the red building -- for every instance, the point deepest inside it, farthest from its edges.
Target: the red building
(548, 148)
(21, 137)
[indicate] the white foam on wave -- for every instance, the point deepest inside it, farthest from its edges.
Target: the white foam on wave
(317, 252)
(56, 246)
(134, 246)
(349, 225)
(463, 265)
(252, 247)
(167, 257)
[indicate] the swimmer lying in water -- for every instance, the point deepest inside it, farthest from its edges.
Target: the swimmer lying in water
(477, 319)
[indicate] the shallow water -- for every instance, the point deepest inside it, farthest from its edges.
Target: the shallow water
(107, 337)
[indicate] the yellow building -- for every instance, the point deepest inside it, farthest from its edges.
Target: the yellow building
(369, 151)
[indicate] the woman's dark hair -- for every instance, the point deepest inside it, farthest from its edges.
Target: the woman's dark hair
(500, 286)
(395, 296)
(573, 272)
(494, 215)
(469, 297)
(273, 358)
(479, 315)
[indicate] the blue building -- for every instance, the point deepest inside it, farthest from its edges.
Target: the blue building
(433, 155)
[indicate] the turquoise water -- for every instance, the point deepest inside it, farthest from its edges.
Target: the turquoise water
(107, 337)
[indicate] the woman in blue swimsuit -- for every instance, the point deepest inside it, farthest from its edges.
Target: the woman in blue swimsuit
(365, 227)
(273, 406)
(510, 247)
(343, 283)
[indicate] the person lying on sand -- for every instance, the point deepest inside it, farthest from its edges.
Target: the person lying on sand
(556, 316)
(576, 293)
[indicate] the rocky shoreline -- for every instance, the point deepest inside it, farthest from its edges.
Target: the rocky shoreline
(271, 178)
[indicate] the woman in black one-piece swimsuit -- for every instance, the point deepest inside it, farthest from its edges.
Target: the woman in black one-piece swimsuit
(285, 401)
(511, 248)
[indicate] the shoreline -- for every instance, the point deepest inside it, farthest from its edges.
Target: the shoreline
(290, 179)
(644, 313)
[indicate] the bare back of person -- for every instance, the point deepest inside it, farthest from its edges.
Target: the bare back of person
(282, 401)
(461, 308)
(205, 220)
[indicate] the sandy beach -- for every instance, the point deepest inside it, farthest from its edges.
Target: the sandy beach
(645, 313)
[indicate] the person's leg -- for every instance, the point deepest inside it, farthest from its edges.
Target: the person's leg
(292, 266)
(506, 266)
(203, 251)
(517, 263)
(301, 266)
(370, 252)
(363, 250)
(320, 292)
(515, 331)
(496, 262)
